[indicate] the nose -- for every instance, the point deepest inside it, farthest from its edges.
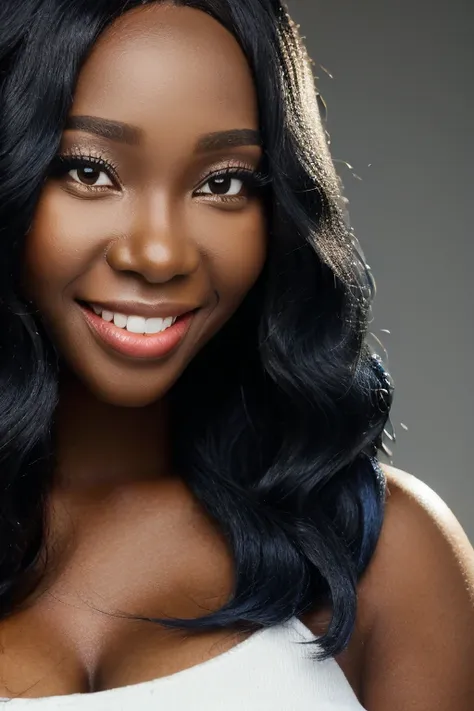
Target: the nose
(157, 247)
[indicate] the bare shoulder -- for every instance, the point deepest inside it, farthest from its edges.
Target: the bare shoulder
(419, 588)
(421, 532)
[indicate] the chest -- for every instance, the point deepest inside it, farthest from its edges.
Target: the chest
(141, 557)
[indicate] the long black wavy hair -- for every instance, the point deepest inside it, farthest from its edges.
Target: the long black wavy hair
(278, 421)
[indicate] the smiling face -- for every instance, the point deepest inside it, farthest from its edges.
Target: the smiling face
(142, 212)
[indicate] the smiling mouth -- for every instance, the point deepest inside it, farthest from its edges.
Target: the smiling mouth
(133, 323)
(127, 334)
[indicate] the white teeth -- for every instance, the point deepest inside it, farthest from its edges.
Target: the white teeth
(120, 320)
(136, 324)
(154, 325)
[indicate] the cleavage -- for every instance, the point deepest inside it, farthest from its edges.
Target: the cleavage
(154, 557)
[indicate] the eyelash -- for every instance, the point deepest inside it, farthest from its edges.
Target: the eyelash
(253, 180)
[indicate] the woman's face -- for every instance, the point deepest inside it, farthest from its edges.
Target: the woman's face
(136, 212)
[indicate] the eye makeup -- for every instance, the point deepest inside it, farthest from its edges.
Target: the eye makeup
(91, 165)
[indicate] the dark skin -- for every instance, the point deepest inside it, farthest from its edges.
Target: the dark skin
(160, 233)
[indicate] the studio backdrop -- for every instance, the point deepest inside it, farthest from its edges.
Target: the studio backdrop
(397, 80)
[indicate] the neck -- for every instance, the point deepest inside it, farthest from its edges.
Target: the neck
(101, 447)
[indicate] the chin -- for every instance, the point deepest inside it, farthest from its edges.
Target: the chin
(122, 396)
(139, 391)
(128, 399)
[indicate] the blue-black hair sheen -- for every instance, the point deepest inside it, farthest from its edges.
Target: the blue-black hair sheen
(278, 421)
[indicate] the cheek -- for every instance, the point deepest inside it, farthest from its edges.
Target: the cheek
(238, 256)
(49, 249)
(66, 237)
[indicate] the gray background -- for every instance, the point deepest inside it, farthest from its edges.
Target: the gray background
(400, 107)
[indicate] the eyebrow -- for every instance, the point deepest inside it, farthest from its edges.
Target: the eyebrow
(132, 135)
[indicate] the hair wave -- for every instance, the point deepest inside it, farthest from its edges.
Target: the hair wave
(277, 422)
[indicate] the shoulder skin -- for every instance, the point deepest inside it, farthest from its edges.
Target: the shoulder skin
(419, 587)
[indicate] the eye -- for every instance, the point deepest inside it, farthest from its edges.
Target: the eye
(90, 176)
(87, 172)
(234, 184)
(226, 185)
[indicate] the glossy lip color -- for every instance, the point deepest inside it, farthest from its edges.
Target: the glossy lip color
(136, 345)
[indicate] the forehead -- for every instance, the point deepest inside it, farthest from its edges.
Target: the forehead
(162, 64)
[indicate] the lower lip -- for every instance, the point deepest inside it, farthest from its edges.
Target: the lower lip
(136, 345)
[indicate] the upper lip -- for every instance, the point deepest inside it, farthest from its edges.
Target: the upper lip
(141, 308)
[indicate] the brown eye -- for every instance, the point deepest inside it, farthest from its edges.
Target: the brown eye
(234, 183)
(90, 176)
(222, 184)
(87, 171)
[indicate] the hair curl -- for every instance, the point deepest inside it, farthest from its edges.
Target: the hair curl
(278, 420)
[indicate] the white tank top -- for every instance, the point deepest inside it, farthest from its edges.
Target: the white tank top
(268, 671)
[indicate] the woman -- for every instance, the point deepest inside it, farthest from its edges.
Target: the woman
(190, 413)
